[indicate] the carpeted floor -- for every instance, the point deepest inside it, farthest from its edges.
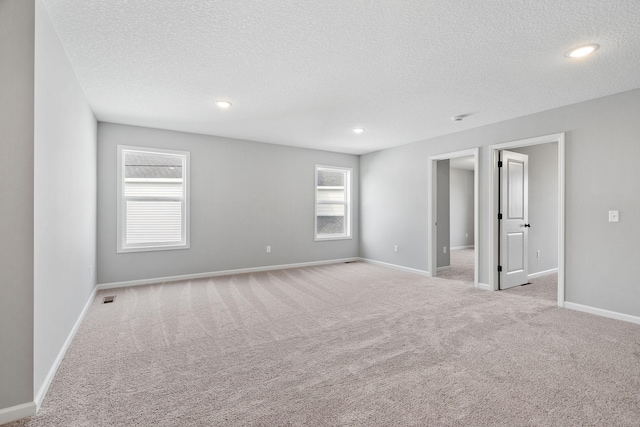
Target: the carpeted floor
(461, 263)
(342, 345)
(545, 287)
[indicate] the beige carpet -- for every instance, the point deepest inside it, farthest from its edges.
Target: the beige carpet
(461, 263)
(462, 260)
(342, 345)
(545, 287)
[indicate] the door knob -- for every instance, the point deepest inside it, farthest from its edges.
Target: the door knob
(527, 225)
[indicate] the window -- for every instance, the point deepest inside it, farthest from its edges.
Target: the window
(153, 205)
(333, 203)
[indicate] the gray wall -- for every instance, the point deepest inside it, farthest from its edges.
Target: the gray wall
(461, 203)
(393, 208)
(602, 151)
(543, 206)
(65, 198)
(244, 196)
(442, 214)
(16, 209)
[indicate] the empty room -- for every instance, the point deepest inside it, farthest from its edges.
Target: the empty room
(324, 213)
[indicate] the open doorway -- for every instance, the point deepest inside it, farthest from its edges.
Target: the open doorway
(544, 250)
(453, 216)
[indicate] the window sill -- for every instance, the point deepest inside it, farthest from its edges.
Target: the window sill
(322, 239)
(152, 248)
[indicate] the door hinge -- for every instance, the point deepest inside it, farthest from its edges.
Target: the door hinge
(500, 164)
(499, 216)
(500, 268)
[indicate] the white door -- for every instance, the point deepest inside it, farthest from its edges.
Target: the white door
(514, 222)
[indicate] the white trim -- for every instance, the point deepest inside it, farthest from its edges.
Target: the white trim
(443, 268)
(558, 138)
(42, 392)
(154, 280)
(542, 273)
(348, 205)
(121, 246)
(431, 208)
(14, 413)
(158, 180)
(457, 248)
(484, 286)
(602, 312)
(329, 238)
(395, 266)
(561, 219)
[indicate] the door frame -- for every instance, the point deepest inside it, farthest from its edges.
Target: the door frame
(495, 149)
(431, 208)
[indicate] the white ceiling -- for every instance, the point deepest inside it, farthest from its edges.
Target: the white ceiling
(304, 73)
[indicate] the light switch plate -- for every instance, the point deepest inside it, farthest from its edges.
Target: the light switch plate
(614, 216)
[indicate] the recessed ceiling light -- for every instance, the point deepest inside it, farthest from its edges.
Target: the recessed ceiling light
(223, 104)
(358, 130)
(581, 51)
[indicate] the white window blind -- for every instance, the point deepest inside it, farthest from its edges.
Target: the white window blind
(333, 213)
(153, 202)
(153, 222)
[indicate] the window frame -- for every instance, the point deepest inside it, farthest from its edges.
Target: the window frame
(347, 204)
(121, 246)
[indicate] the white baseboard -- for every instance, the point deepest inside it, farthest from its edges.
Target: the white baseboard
(397, 267)
(42, 392)
(484, 286)
(446, 267)
(602, 312)
(17, 412)
(542, 273)
(219, 273)
(457, 248)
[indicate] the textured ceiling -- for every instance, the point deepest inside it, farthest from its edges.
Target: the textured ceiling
(304, 73)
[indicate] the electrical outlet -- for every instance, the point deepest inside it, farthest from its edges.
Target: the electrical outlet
(395, 248)
(538, 253)
(444, 249)
(268, 249)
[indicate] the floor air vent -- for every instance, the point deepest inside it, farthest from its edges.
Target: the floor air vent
(109, 299)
